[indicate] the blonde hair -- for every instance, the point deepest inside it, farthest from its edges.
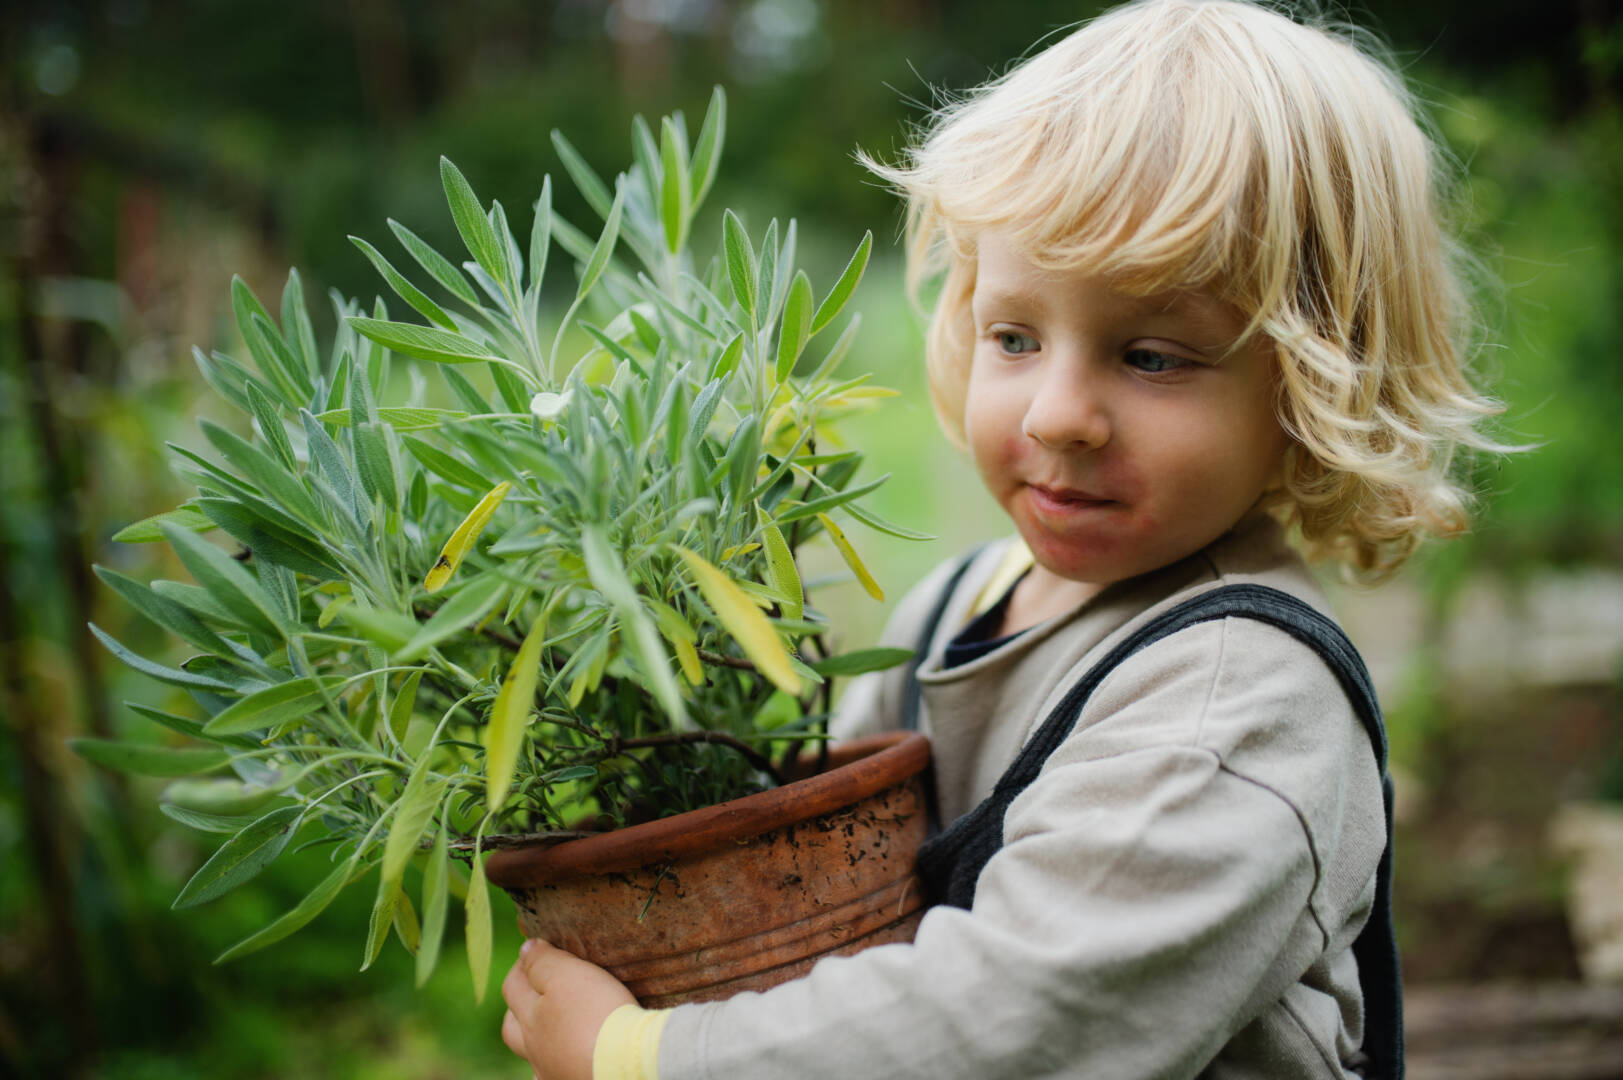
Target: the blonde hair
(1217, 144)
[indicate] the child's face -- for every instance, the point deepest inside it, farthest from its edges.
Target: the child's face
(1105, 425)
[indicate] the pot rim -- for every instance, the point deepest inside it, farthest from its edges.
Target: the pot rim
(880, 761)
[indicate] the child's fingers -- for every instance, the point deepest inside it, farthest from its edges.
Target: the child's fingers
(516, 989)
(513, 1035)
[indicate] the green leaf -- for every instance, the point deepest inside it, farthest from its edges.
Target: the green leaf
(594, 190)
(477, 910)
(510, 715)
(445, 465)
(400, 708)
(471, 222)
(399, 417)
(165, 612)
(403, 288)
(376, 464)
(301, 336)
(845, 286)
(155, 670)
(436, 346)
(147, 531)
(268, 540)
(609, 578)
(242, 857)
(327, 457)
(676, 192)
(707, 152)
(276, 359)
(226, 796)
(436, 893)
(743, 620)
(438, 266)
(472, 602)
(741, 268)
(781, 571)
(192, 729)
(828, 502)
(796, 324)
(879, 524)
(272, 706)
(209, 823)
(862, 661)
(414, 812)
(226, 581)
(540, 242)
(727, 359)
(270, 425)
(145, 759)
(599, 260)
(267, 474)
(302, 912)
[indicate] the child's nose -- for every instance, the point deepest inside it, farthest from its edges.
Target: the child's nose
(1067, 411)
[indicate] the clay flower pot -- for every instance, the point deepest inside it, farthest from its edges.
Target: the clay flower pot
(745, 894)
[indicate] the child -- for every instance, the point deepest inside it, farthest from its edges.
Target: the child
(1196, 294)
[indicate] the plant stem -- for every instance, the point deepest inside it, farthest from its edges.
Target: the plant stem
(719, 738)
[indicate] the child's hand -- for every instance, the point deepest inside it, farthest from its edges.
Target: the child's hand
(556, 1003)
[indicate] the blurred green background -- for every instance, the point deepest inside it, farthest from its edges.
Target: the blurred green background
(148, 150)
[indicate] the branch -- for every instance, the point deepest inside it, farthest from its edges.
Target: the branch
(718, 738)
(720, 660)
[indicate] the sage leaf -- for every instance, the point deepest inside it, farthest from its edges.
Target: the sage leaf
(471, 222)
(155, 670)
(707, 151)
(209, 823)
(438, 266)
(743, 620)
(676, 192)
(845, 286)
(145, 759)
(147, 531)
(399, 417)
(852, 559)
(242, 857)
(463, 538)
(436, 346)
(270, 425)
(404, 289)
(862, 661)
(782, 572)
(510, 715)
(272, 706)
(312, 905)
(436, 893)
(741, 268)
(599, 260)
(594, 190)
(226, 580)
(796, 328)
(476, 909)
(472, 602)
(609, 577)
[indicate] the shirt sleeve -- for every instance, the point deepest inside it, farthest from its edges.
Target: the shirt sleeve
(1148, 902)
(627, 1046)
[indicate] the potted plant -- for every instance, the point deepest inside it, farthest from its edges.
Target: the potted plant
(548, 617)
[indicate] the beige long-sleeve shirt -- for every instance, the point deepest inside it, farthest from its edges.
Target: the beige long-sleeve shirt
(1177, 893)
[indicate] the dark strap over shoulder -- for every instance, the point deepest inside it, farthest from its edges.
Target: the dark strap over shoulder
(950, 863)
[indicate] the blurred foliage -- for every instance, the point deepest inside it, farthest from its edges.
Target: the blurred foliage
(148, 150)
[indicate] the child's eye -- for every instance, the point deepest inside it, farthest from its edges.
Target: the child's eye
(1014, 342)
(1155, 363)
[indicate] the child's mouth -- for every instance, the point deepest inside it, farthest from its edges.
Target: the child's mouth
(1059, 500)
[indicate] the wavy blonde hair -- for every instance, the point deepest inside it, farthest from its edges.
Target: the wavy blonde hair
(1217, 144)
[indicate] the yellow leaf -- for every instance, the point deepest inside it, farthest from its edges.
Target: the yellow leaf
(745, 621)
(505, 733)
(688, 657)
(738, 549)
(852, 559)
(462, 540)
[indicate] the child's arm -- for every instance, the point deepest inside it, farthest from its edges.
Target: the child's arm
(1208, 834)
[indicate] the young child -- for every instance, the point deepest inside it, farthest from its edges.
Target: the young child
(1196, 296)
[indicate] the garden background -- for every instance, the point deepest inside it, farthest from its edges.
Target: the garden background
(149, 150)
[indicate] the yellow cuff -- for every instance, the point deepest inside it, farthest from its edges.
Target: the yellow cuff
(628, 1044)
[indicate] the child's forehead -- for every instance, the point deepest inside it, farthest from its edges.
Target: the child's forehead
(1007, 275)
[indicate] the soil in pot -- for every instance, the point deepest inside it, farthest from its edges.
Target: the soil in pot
(745, 894)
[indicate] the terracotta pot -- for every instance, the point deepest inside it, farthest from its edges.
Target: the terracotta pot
(745, 894)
